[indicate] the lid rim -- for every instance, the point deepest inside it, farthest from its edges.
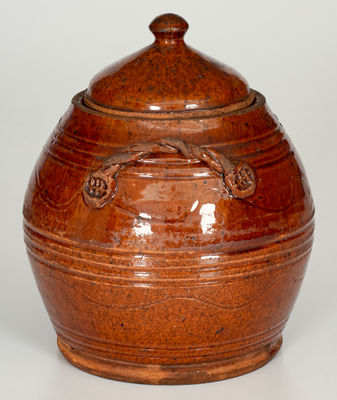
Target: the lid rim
(173, 114)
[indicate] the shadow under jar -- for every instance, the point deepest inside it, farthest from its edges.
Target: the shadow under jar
(168, 220)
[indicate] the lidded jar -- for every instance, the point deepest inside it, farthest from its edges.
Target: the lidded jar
(168, 220)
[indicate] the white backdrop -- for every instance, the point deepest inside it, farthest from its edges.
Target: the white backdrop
(49, 51)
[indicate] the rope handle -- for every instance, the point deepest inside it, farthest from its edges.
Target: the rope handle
(100, 186)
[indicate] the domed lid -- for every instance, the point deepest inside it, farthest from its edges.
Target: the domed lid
(167, 77)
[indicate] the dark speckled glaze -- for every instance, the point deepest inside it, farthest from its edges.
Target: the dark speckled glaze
(168, 220)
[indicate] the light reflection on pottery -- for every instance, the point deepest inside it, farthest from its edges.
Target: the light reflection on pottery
(168, 220)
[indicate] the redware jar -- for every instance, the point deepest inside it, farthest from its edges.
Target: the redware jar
(168, 220)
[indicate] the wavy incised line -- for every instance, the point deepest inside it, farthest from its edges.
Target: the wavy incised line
(62, 206)
(51, 203)
(154, 303)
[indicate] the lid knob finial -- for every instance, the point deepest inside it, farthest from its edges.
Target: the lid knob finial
(168, 27)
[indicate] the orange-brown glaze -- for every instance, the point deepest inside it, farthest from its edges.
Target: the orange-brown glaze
(168, 244)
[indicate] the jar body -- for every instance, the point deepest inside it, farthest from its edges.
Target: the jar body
(173, 281)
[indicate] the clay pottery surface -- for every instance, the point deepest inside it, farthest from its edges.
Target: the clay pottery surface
(168, 220)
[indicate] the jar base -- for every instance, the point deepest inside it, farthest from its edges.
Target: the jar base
(169, 374)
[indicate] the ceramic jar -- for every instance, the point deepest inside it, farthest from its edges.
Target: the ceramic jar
(168, 220)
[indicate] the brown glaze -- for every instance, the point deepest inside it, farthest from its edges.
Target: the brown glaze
(100, 186)
(168, 241)
(167, 76)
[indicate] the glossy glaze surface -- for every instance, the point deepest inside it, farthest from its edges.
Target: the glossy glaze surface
(158, 272)
(171, 76)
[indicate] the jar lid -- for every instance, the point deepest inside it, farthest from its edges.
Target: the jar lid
(168, 77)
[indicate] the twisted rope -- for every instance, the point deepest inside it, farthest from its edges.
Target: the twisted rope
(100, 186)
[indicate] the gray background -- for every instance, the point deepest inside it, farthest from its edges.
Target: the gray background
(49, 51)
